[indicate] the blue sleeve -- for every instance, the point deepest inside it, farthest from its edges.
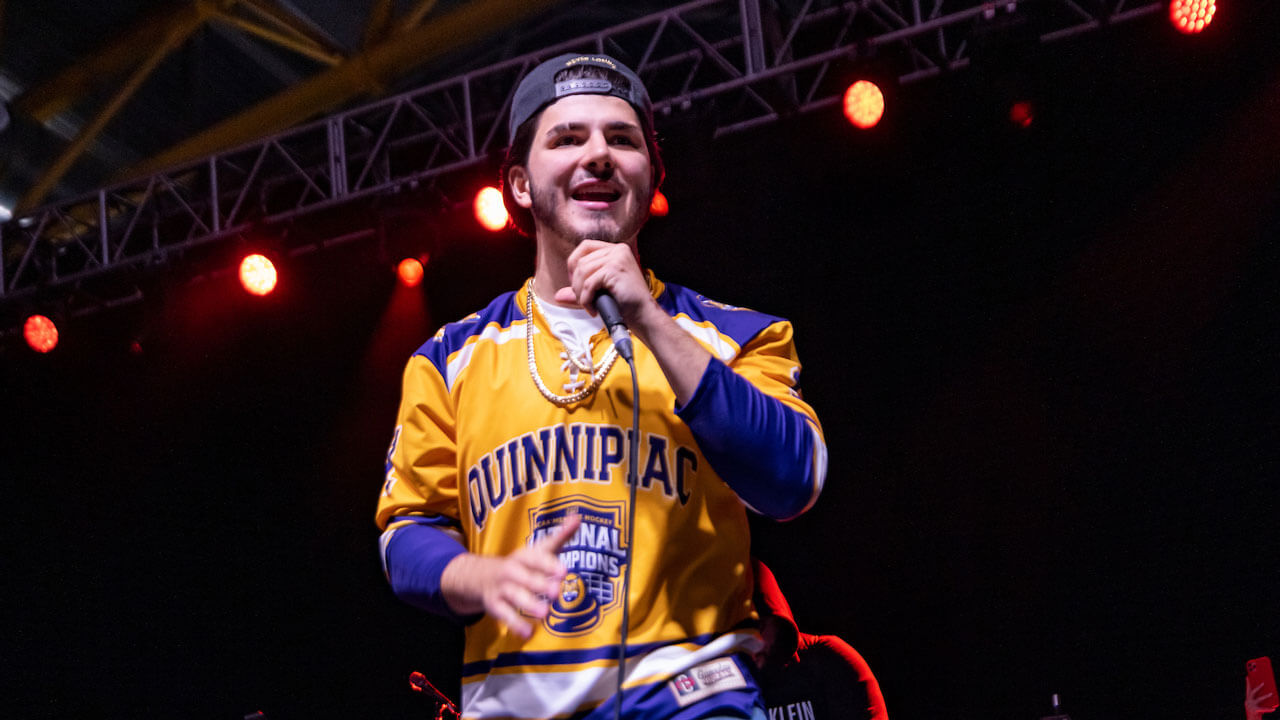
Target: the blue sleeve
(763, 449)
(415, 557)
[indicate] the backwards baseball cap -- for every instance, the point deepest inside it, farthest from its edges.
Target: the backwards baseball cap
(539, 88)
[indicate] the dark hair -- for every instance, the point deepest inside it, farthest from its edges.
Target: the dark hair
(518, 153)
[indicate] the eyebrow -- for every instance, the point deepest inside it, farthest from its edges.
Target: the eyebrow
(574, 127)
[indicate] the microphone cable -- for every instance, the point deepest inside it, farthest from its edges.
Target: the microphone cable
(633, 479)
(610, 313)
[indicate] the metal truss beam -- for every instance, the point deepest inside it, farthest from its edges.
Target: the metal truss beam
(702, 51)
(361, 75)
(44, 101)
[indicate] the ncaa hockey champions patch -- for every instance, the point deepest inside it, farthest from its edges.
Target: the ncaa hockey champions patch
(595, 558)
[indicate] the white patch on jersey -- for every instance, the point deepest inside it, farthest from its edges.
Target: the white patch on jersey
(391, 478)
(709, 336)
(395, 441)
(491, 333)
(819, 462)
(383, 541)
(703, 681)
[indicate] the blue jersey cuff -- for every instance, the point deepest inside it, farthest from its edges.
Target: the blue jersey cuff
(763, 449)
(416, 556)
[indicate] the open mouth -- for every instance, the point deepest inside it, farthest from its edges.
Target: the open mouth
(596, 193)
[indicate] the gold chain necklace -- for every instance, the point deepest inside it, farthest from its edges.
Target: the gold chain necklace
(597, 374)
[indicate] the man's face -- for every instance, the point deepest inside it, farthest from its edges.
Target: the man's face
(588, 174)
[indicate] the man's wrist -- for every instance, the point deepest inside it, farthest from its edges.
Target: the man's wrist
(649, 319)
(459, 587)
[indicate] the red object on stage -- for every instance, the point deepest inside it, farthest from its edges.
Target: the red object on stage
(410, 272)
(258, 274)
(1260, 675)
(1022, 114)
(658, 206)
(490, 212)
(864, 104)
(419, 683)
(1191, 16)
(40, 333)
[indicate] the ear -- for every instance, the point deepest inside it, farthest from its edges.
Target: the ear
(518, 178)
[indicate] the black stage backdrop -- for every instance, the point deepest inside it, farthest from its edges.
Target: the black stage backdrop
(1046, 361)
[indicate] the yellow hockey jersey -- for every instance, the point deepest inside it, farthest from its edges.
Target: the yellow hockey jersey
(480, 452)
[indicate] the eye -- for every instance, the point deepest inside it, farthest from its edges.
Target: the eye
(626, 140)
(564, 140)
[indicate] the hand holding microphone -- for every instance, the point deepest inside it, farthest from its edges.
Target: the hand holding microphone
(593, 264)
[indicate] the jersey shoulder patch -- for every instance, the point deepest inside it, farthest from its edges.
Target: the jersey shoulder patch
(453, 336)
(739, 324)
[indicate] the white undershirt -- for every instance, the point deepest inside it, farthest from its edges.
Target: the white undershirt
(573, 327)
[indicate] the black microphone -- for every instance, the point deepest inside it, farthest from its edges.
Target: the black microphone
(612, 316)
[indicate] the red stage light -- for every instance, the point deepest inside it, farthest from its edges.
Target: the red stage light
(659, 206)
(1022, 114)
(1191, 16)
(864, 104)
(41, 334)
(257, 274)
(490, 212)
(410, 272)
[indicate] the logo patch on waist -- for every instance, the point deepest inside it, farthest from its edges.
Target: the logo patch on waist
(705, 680)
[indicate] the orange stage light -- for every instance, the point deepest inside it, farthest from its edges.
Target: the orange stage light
(658, 206)
(410, 272)
(258, 274)
(864, 104)
(490, 212)
(40, 333)
(1191, 16)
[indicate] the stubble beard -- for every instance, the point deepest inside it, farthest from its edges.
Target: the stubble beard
(546, 213)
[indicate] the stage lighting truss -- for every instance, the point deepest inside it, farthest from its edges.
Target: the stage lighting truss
(756, 66)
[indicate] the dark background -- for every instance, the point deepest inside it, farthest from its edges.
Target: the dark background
(1045, 359)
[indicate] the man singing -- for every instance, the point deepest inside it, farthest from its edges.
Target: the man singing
(505, 503)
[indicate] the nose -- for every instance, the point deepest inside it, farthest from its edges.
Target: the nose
(597, 154)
